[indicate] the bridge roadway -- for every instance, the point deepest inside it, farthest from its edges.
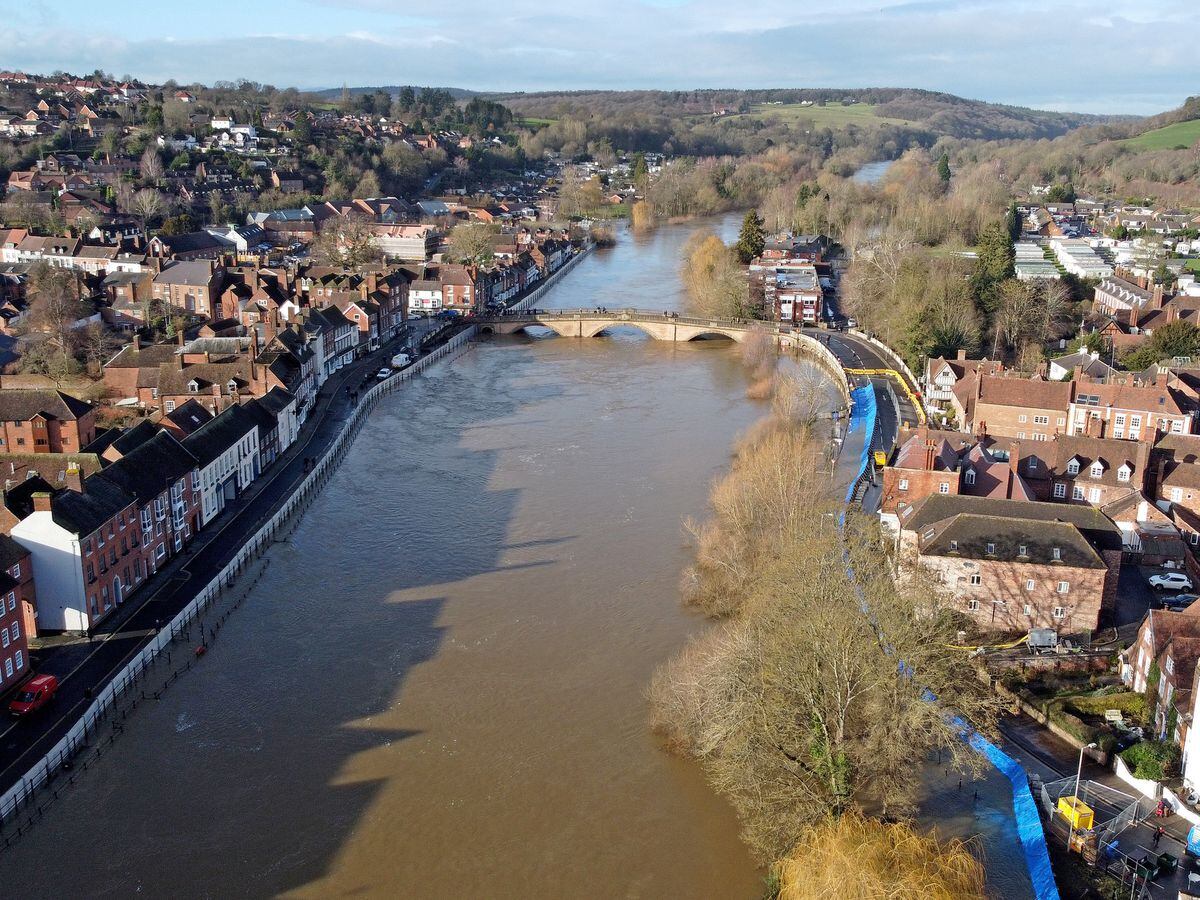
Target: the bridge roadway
(851, 352)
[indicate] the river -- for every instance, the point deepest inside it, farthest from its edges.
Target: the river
(437, 688)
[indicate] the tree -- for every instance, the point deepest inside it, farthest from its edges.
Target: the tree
(151, 166)
(147, 204)
(1169, 341)
(180, 224)
(472, 243)
(639, 171)
(1061, 193)
(347, 241)
(54, 303)
(94, 346)
(1012, 219)
(302, 134)
(943, 168)
(751, 240)
(715, 282)
(853, 856)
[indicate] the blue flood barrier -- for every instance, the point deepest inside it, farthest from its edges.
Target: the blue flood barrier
(863, 412)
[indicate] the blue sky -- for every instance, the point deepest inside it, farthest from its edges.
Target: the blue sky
(1120, 56)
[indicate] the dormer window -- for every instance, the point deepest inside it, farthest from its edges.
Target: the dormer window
(1124, 473)
(954, 545)
(232, 385)
(1097, 469)
(991, 549)
(1024, 551)
(1073, 467)
(1056, 553)
(969, 478)
(193, 386)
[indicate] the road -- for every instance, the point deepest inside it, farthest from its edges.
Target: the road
(855, 353)
(85, 665)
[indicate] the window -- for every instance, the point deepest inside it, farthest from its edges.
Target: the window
(16, 571)
(1022, 418)
(1176, 495)
(1170, 666)
(1056, 553)
(1060, 612)
(1064, 587)
(1073, 467)
(972, 605)
(1027, 609)
(1123, 473)
(1193, 538)
(19, 659)
(1077, 492)
(1032, 465)
(991, 549)
(1060, 490)
(944, 488)
(16, 630)
(1062, 421)
(169, 405)
(1041, 420)
(12, 601)
(1029, 584)
(970, 477)
(8, 668)
(3, 637)
(91, 573)
(1097, 470)
(160, 551)
(954, 545)
(1094, 495)
(976, 579)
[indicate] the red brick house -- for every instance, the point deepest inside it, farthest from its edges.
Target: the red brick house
(18, 612)
(44, 421)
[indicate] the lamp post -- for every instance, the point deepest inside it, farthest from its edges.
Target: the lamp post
(1075, 799)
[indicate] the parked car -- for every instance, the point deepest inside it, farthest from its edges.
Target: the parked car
(1170, 581)
(33, 695)
(400, 360)
(1180, 602)
(851, 322)
(384, 373)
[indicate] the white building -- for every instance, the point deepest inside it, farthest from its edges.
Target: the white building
(227, 451)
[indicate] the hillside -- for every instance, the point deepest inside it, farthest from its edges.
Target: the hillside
(937, 114)
(393, 89)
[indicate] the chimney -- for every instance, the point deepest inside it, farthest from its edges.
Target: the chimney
(74, 478)
(930, 453)
(1014, 462)
(1156, 298)
(41, 501)
(179, 338)
(962, 353)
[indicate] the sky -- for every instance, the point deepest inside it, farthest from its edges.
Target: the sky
(1115, 56)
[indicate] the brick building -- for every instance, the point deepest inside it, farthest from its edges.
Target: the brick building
(1011, 407)
(37, 421)
(18, 612)
(1014, 565)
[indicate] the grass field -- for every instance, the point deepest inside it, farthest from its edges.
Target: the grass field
(1193, 264)
(832, 116)
(1181, 134)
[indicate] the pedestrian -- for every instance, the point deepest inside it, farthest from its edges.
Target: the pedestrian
(1158, 833)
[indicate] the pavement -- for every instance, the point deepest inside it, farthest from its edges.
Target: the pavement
(84, 665)
(1048, 757)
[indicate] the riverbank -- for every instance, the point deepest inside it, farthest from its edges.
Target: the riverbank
(101, 676)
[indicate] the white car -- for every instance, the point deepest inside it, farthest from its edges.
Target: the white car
(1171, 581)
(383, 373)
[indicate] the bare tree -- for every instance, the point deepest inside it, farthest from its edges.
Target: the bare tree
(151, 165)
(148, 204)
(347, 241)
(472, 243)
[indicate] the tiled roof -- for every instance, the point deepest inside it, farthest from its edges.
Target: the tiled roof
(20, 405)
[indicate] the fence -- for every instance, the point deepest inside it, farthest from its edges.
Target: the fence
(40, 786)
(540, 291)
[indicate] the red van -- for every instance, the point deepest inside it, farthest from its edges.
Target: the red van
(33, 694)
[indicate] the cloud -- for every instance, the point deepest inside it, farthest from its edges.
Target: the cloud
(1016, 51)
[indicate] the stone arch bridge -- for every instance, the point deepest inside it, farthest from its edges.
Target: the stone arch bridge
(657, 325)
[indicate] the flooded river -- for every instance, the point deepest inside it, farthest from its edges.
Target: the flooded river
(437, 688)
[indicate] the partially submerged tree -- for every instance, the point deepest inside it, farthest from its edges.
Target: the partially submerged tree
(853, 856)
(715, 282)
